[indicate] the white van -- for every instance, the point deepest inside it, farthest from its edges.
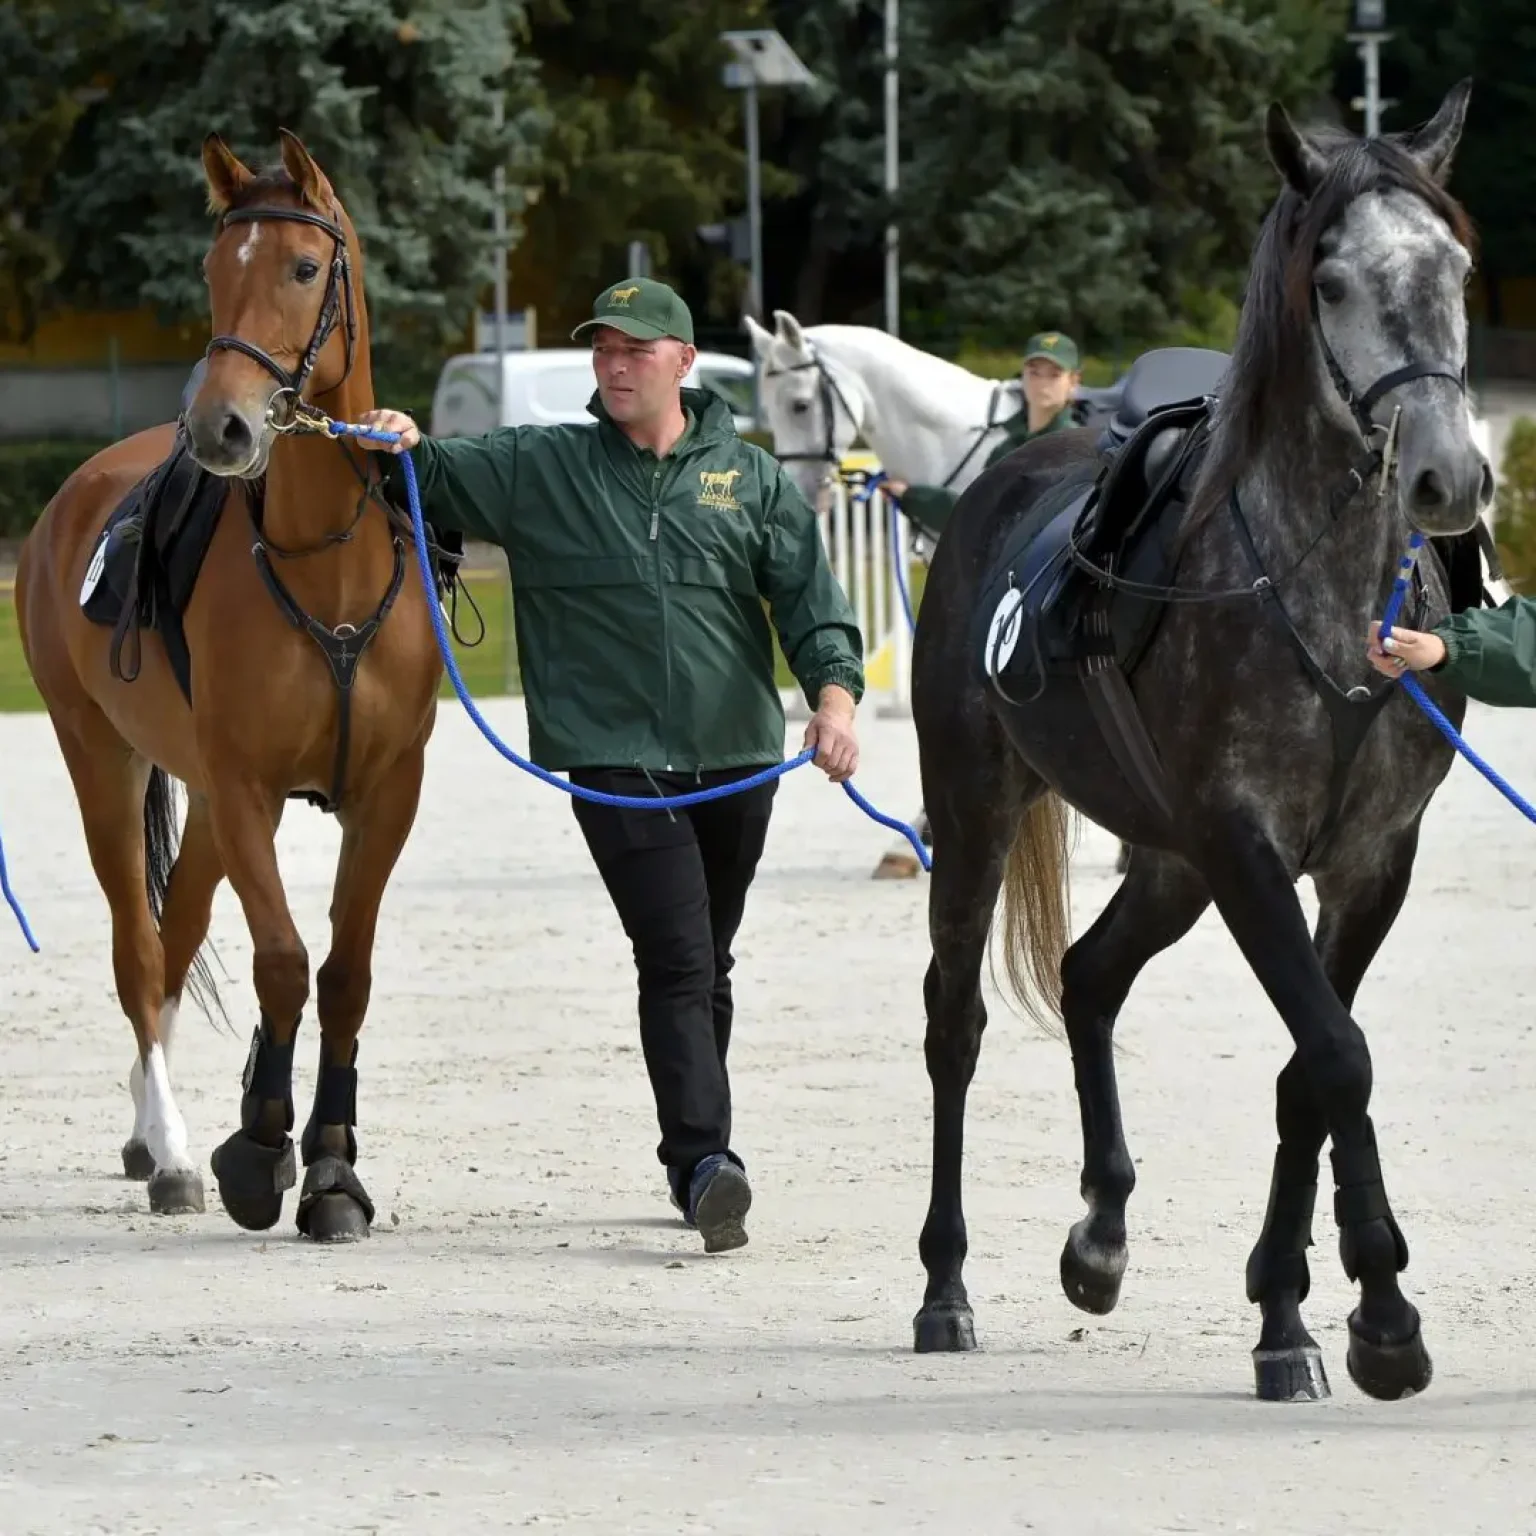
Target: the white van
(553, 384)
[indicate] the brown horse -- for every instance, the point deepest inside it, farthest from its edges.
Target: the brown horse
(298, 688)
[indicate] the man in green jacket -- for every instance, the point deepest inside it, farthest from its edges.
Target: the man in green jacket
(642, 550)
(1486, 653)
(1050, 377)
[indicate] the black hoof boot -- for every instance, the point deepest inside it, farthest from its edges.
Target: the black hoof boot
(138, 1164)
(944, 1328)
(1290, 1375)
(252, 1178)
(1388, 1371)
(176, 1192)
(1090, 1272)
(333, 1205)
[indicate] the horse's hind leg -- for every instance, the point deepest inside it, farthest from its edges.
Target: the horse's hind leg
(183, 926)
(973, 830)
(111, 784)
(333, 1205)
(1353, 920)
(1258, 902)
(1159, 901)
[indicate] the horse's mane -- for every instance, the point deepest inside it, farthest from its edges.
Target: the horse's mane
(1269, 377)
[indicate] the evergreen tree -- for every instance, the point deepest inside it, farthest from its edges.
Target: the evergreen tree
(1087, 164)
(395, 107)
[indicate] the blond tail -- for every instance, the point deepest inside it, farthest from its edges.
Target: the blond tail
(1037, 914)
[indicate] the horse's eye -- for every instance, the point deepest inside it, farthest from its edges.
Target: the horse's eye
(307, 271)
(801, 407)
(1331, 290)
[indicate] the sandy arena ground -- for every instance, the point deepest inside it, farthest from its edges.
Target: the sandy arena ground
(532, 1340)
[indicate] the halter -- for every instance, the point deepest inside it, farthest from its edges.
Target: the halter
(337, 307)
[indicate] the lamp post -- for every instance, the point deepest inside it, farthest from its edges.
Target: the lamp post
(1368, 23)
(758, 58)
(499, 230)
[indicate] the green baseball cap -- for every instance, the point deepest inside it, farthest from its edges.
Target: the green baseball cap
(1054, 347)
(640, 307)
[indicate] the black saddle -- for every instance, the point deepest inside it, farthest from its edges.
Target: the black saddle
(1045, 610)
(148, 556)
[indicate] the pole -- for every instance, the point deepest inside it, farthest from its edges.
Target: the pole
(892, 232)
(754, 206)
(499, 216)
(1370, 53)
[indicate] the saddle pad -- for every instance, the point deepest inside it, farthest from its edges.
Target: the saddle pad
(1032, 621)
(148, 556)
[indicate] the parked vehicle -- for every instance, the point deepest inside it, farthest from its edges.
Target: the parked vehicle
(553, 384)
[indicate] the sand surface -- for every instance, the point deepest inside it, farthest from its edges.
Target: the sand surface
(531, 1339)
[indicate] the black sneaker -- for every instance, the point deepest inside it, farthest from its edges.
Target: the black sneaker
(719, 1198)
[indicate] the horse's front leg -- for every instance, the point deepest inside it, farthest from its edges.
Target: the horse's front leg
(1257, 899)
(254, 1165)
(333, 1205)
(1356, 913)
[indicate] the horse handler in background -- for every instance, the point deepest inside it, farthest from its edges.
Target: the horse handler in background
(642, 550)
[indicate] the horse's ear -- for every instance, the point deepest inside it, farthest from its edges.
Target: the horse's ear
(1294, 155)
(307, 176)
(762, 341)
(1434, 144)
(788, 330)
(227, 177)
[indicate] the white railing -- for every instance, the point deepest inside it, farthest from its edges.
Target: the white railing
(857, 536)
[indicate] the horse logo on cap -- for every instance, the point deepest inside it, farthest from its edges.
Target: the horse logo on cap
(620, 297)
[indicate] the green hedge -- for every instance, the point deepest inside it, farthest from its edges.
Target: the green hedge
(30, 475)
(1514, 516)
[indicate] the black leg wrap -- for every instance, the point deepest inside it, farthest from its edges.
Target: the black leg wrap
(1360, 1201)
(335, 1104)
(268, 1078)
(1279, 1258)
(333, 1205)
(252, 1178)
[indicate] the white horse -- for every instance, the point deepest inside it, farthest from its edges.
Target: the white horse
(928, 421)
(821, 387)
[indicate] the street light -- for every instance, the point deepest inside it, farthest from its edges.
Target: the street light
(1368, 24)
(759, 58)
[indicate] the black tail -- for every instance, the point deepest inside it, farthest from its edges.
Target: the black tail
(161, 840)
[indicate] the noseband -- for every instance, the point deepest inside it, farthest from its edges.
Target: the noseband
(337, 307)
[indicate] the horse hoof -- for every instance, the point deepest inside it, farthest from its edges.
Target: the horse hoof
(1290, 1375)
(1389, 1371)
(333, 1205)
(252, 1178)
(1091, 1273)
(944, 1328)
(138, 1162)
(176, 1192)
(897, 866)
(334, 1219)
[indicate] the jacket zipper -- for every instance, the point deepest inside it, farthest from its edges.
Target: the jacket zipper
(661, 597)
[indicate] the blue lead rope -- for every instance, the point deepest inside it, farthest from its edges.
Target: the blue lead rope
(1417, 694)
(14, 904)
(598, 797)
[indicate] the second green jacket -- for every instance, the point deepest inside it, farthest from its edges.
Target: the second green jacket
(639, 583)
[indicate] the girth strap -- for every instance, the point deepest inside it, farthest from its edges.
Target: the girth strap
(343, 648)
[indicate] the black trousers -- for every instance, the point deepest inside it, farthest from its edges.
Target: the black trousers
(679, 882)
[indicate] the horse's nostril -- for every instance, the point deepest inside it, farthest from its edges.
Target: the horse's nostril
(1485, 485)
(1430, 491)
(235, 435)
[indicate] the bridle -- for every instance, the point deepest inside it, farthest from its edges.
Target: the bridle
(830, 393)
(336, 308)
(1360, 406)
